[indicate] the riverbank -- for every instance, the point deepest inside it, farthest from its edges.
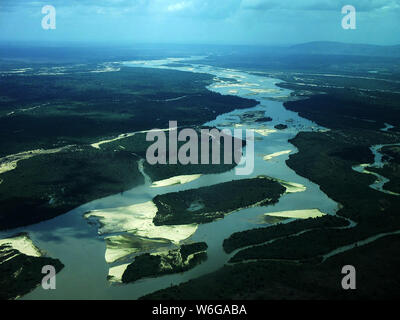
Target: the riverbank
(21, 264)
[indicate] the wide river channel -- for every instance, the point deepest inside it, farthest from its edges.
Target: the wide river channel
(81, 249)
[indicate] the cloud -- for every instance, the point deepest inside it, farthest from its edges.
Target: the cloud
(260, 5)
(205, 6)
(204, 9)
(233, 21)
(318, 5)
(178, 6)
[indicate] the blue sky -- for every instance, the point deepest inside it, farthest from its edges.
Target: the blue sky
(256, 22)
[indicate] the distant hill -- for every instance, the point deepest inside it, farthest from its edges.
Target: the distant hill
(338, 48)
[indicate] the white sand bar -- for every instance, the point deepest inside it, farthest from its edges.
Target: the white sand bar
(292, 187)
(121, 246)
(264, 132)
(297, 214)
(175, 180)
(121, 136)
(265, 90)
(10, 162)
(125, 135)
(23, 244)
(113, 253)
(138, 219)
(115, 273)
(276, 154)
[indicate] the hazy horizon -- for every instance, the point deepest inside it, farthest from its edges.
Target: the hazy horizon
(200, 22)
(83, 43)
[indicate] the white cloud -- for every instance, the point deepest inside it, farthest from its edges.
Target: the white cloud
(179, 6)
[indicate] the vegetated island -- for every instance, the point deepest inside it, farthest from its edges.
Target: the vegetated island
(21, 264)
(174, 261)
(207, 204)
(281, 126)
(122, 247)
(138, 145)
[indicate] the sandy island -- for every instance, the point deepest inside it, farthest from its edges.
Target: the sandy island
(138, 219)
(297, 214)
(276, 154)
(23, 244)
(175, 180)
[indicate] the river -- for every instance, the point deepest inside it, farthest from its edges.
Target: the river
(77, 244)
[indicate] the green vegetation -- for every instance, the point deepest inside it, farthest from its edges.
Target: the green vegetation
(311, 245)
(281, 126)
(254, 116)
(280, 63)
(192, 248)
(173, 208)
(21, 273)
(351, 95)
(322, 159)
(355, 108)
(392, 172)
(377, 278)
(340, 112)
(48, 185)
(79, 108)
(175, 261)
(391, 153)
(261, 235)
(264, 119)
(327, 159)
(138, 145)
(391, 169)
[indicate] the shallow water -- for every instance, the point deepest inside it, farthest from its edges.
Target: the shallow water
(76, 243)
(378, 163)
